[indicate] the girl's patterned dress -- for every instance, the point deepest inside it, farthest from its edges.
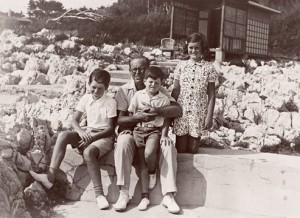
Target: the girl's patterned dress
(193, 79)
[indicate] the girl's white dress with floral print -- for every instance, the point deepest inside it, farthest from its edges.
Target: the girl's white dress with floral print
(193, 79)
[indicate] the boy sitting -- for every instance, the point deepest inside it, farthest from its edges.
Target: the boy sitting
(147, 135)
(93, 142)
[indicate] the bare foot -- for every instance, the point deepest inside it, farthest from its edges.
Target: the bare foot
(42, 178)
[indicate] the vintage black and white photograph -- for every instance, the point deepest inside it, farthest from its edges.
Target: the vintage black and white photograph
(149, 108)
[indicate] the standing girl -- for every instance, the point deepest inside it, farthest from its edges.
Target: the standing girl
(194, 90)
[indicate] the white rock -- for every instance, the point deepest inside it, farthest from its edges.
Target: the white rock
(296, 120)
(24, 138)
(271, 140)
(270, 117)
(284, 120)
(156, 52)
(9, 80)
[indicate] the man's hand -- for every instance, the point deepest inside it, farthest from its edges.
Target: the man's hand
(145, 116)
(149, 109)
(166, 141)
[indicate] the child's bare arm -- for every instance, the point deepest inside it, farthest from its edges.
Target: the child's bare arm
(211, 105)
(75, 124)
(169, 111)
(176, 89)
(108, 131)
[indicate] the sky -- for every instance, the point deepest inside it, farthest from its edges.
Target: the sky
(21, 5)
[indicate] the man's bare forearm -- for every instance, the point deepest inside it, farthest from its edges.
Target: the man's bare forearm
(128, 121)
(170, 111)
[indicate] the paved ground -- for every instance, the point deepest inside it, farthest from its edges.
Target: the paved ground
(81, 209)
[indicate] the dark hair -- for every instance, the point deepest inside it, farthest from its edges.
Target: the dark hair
(199, 37)
(100, 76)
(140, 57)
(154, 73)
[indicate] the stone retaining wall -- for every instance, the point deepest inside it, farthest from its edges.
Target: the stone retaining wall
(254, 183)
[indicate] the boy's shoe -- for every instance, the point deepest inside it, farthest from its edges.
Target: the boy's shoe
(122, 201)
(143, 205)
(102, 202)
(42, 178)
(170, 203)
(152, 180)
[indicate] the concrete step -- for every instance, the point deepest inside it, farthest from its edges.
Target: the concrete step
(81, 209)
(124, 67)
(261, 184)
(118, 81)
(122, 74)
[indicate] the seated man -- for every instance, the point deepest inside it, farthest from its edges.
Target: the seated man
(125, 147)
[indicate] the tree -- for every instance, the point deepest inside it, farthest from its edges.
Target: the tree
(43, 9)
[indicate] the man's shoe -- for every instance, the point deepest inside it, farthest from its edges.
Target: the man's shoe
(122, 201)
(143, 205)
(102, 202)
(152, 180)
(170, 203)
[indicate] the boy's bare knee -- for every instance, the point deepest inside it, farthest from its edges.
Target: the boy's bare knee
(150, 155)
(62, 135)
(90, 154)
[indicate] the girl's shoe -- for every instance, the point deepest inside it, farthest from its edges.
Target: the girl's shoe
(143, 205)
(102, 202)
(152, 180)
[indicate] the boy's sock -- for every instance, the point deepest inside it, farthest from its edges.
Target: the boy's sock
(152, 179)
(145, 195)
(152, 171)
(143, 205)
(51, 174)
(98, 190)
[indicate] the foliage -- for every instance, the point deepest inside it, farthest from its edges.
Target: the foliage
(43, 9)
(285, 27)
(147, 21)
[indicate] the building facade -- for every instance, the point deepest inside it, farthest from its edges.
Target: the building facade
(231, 26)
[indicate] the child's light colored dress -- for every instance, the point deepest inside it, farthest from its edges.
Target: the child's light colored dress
(193, 79)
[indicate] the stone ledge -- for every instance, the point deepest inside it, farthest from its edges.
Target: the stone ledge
(255, 183)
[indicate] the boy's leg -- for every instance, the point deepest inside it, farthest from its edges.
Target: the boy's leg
(91, 156)
(143, 168)
(193, 145)
(152, 144)
(64, 138)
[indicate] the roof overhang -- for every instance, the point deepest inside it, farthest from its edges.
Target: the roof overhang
(263, 7)
(211, 4)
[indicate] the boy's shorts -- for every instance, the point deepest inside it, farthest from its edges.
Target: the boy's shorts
(104, 145)
(142, 134)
